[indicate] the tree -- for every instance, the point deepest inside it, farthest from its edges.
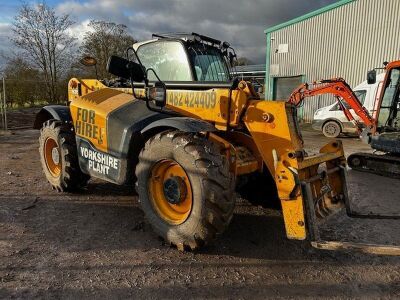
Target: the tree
(42, 36)
(24, 84)
(103, 40)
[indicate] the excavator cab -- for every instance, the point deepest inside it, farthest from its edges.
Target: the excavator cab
(389, 110)
(384, 135)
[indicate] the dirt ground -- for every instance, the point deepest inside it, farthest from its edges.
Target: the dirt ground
(98, 245)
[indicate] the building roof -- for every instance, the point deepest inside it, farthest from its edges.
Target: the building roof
(249, 69)
(309, 15)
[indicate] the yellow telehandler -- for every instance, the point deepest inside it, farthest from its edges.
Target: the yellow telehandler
(184, 131)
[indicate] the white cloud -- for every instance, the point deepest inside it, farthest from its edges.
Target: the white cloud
(5, 44)
(242, 23)
(79, 29)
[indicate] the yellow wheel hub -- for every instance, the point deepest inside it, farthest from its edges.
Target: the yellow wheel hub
(52, 157)
(170, 191)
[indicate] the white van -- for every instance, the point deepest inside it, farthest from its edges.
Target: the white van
(331, 119)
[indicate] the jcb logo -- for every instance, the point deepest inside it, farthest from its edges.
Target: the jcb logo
(85, 124)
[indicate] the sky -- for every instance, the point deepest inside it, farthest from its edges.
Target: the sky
(241, 23)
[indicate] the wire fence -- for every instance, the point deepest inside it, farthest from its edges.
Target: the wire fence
(20, 99)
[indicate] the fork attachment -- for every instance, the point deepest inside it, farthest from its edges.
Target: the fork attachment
(315, 212)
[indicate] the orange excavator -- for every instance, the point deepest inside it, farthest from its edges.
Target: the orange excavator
(381, 131)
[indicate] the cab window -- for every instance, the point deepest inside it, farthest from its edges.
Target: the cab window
(361, 95)
(167, 58)
(392, 90)
(209, 64)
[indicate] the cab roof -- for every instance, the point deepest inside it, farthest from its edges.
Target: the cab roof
(193, 37)
(379, 78)
(186, 37)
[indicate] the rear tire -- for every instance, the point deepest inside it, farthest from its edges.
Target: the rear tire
(209, 188)
(331, 129)
(59, 158)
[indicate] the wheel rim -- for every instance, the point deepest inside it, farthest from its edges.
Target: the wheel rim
(170, 191)
(52, 157)
(356, 162)
(331, 129)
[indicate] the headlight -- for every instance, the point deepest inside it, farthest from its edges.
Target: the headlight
(318, 112)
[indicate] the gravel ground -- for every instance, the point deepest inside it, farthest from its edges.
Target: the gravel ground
(98, 245)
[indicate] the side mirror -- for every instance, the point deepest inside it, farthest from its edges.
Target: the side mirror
(157, 93)
(126, 69)
(88, 61)
(371, 77)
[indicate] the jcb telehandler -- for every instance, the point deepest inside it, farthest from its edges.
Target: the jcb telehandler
(176, 124)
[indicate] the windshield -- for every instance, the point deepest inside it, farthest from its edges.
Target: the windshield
(209, 63)
(167, 58)
(390, 99)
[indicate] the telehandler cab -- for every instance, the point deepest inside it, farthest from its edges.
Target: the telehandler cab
(188, 134)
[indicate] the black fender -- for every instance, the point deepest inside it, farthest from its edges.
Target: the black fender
(138, 138)
(57, 112)
(184, 124)
(133, 137)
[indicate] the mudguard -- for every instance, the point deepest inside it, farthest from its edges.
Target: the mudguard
(184, 124)
(133, 122)
(58, 112)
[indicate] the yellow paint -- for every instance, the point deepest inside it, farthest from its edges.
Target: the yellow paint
(102, 103)
(209, 105)
(273, 137)
(172, 213)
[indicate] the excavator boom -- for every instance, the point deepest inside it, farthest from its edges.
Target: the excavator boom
(387, 142)
(344, 94)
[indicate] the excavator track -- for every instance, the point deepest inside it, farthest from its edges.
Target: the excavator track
(384, 165)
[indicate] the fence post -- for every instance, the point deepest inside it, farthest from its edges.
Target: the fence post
(1, 111)
(5, 104)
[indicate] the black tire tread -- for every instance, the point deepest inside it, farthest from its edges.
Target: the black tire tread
(72, 178)
(217, 180)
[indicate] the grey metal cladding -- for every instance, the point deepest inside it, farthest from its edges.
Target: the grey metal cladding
(346, 41)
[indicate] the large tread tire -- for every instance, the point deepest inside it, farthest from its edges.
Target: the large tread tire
(71, 178)
(211, 181)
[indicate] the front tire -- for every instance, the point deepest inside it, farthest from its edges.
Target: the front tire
(59, 158)
(331, 129)
(185, 188)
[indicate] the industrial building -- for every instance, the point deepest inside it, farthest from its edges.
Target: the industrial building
(344, 39)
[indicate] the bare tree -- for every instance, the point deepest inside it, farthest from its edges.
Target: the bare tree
(42, 36)
(103, 40)
(24, 83)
